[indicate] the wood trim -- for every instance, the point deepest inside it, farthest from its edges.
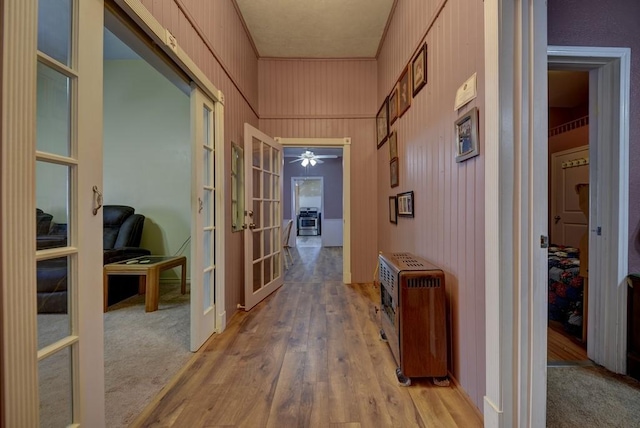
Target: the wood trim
(386, 27)
(150, 25)
(17, 252)
(213, 52)
(246, 28)
(297, 59)
(320, 116)
(431, 23)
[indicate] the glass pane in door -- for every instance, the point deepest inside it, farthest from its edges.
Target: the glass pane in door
(206, 177)
(257, 276)
(52, 282)
(257, 153)
(54, 29)
(53, 111)
(208, 125)
(55, 388)
(52, 205)
(208, 209)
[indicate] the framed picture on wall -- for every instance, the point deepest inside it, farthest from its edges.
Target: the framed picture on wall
(466, 132)
(404, 91)
(393, 145)
(393, 172)
(393, 105)
(419, 70)
(382, 123)
(405, 204)
(393, 210)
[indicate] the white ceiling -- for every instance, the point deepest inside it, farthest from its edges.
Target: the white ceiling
(316, 28)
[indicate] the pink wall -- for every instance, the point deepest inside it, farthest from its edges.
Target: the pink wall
(330, 99)
(211, 33)
(448, 228)
(597, 23)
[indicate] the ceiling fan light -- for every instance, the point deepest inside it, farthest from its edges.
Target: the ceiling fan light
(312, 162)
(305, 162)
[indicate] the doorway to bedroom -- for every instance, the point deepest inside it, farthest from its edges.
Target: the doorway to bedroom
(568, 165)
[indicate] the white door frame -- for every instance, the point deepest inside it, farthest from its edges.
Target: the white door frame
(515, 150)
(516, 62)
(609, 80)
(345, 144)
(165, 40)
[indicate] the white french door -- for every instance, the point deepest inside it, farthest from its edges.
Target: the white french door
(68, 183)
(205, 233)
(263, 235)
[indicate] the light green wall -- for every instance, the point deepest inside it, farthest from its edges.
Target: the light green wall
(147, 152)
(53, 136)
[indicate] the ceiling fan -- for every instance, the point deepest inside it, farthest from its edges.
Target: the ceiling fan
(309, 158)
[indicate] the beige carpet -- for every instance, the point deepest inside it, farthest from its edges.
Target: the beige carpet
(591, 396)
(143, 351)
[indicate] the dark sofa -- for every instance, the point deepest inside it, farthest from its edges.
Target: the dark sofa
(121, 241)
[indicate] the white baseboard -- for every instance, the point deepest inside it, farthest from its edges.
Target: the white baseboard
(492, 416)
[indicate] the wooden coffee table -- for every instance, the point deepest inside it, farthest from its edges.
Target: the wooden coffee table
(149, 269)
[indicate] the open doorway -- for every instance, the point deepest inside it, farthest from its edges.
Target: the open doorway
(298, 146)
(591, 196)
(147, 167)
(313, 193)
(307, 208)
(568, 216)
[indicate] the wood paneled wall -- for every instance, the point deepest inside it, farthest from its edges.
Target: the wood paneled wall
(448, 228)
(331, 99)
(339, 98)
(212, 34)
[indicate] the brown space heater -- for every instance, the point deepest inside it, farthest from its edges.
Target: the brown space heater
(413, 315)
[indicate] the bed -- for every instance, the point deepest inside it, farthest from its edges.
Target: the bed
(566, 292)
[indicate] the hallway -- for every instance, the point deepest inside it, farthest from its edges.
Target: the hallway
(309, 356)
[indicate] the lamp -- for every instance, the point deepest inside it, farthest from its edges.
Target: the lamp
(313, 162)
(305, 162)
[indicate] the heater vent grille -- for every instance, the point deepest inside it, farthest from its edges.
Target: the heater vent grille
(424, 282)
(387, 277)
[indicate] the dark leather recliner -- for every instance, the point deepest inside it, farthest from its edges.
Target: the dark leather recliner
(122, 233)
(121, 240)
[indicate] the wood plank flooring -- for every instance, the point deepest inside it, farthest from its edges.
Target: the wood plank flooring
(562, 348)
(307, 356)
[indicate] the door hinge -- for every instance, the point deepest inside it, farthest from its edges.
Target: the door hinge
(544, 241)
(599, 231)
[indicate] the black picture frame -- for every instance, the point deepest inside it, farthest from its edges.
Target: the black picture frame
(382, 123)
(405, 204)
(419, 70)
(393, 210)
(466, 131)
